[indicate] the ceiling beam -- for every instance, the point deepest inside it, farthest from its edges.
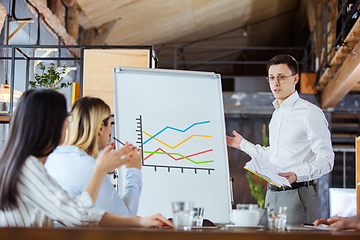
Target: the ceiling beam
(343, 81)
(103, 32)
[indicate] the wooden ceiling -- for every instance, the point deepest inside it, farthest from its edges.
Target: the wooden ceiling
(157, 21)
(184, 23)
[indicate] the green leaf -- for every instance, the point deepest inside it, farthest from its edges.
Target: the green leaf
(49, 78)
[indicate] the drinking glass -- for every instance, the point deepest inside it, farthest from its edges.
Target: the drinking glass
(198, 216)
(183, 215)
(277, 218)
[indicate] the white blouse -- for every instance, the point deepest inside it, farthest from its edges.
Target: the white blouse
(41, 201)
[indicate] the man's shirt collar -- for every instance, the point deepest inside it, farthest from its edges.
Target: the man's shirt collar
(289, 102)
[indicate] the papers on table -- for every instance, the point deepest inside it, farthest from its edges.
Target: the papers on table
(322, 227)
(267, 170)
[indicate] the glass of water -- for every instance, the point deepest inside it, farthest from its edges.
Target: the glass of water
(183, 214)
(198, 216)
(277, 218)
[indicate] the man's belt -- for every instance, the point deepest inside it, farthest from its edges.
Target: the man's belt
(294, 185)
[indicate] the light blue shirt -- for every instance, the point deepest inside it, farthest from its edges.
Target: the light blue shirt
(72, 169)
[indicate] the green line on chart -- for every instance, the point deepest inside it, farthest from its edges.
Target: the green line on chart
(209, 161)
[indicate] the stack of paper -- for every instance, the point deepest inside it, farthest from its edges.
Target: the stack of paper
(266, 170)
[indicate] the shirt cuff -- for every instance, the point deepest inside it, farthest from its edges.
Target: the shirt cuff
(245, 145)
(302, 176)
(302, 179)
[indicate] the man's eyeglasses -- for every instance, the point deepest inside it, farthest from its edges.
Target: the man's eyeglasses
(281, 79)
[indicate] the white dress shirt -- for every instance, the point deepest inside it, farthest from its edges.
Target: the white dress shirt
(41, 201)
(72, 169)
(299, 138)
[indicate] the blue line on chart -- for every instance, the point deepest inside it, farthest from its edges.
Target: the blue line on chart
(168, 127)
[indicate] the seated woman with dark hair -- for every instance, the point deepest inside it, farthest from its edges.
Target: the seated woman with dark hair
(28, 195)
(72, 163)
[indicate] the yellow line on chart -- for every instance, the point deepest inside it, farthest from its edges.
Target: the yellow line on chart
(194, 135)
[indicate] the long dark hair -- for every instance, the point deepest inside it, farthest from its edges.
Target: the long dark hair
(35, 129)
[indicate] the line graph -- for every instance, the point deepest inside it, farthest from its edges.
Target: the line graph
(194, 135)
(181, 156)
(160, 151)
(175, 129)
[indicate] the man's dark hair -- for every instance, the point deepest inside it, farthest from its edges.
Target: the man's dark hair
(284, 59)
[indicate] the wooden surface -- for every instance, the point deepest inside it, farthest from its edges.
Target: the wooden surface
(4, 118)
(307, 81)
(194, 22)
(99, 65)
(357, 174)
(345, 79)
(340, 56)
(139, 21)
(166, 234)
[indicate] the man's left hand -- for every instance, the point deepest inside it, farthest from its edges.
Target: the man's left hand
(290, 176)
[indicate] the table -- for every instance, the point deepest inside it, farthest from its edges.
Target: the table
(168, 234)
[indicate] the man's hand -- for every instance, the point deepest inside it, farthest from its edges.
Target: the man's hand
(234, 141)
(290, 176)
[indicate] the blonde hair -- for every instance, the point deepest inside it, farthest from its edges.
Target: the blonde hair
(87, 114)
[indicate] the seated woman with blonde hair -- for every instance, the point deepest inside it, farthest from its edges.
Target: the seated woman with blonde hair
(72, 163)
(29, 197)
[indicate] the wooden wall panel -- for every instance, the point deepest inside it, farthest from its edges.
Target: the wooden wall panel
(99, 65)
(307, 81)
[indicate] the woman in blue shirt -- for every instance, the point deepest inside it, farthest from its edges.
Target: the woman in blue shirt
(72, 164)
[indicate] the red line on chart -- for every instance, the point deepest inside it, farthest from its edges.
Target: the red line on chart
(176, 159)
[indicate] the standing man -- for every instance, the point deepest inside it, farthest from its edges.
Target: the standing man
(299, 142)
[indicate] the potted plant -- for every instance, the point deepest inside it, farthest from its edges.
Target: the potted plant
(257, 185)
(51, 78)
(257, 189)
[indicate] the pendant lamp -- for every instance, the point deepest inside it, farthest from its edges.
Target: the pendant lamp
(5, 93)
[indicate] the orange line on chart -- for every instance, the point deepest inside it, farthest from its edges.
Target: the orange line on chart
(194, 135)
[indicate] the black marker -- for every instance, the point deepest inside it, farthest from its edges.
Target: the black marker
(118, 140)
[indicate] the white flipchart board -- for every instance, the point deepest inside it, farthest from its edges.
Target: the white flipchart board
(177, 118)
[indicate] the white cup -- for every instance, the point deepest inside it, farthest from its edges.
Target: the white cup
(245, 218)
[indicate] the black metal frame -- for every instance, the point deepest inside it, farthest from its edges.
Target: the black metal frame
(175, 62)
(80, 59)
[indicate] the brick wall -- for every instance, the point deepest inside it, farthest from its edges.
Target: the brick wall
(2, 16)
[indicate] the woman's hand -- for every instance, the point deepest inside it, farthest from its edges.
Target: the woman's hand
(327, 221)
(108, 160)
(156, 220)
(111, 220)
(347, 223)
(135, 160)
